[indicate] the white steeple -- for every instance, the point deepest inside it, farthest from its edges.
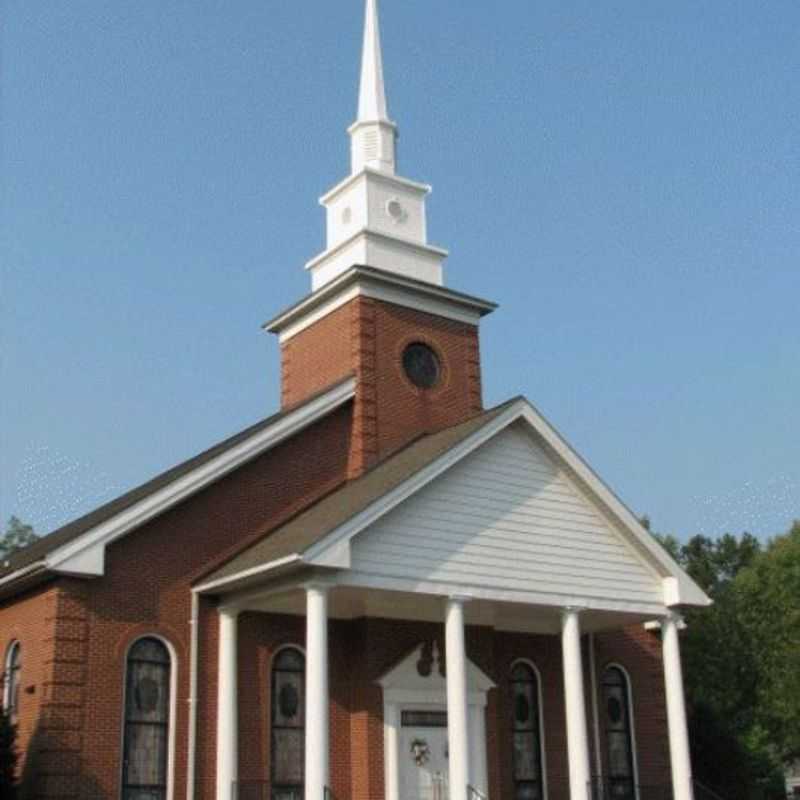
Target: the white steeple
(372, 97)
(373, 134)
(374, 217)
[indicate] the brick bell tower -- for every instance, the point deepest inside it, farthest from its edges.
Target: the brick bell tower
(378, 308)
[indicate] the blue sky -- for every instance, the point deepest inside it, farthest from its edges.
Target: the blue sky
(622, 177)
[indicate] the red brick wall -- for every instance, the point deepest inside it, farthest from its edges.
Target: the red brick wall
(362, 651)
(317, 357)
(544, 652)
(75, 634)
(50, 625)
(83, 723)
(30, 622)
(366, 338)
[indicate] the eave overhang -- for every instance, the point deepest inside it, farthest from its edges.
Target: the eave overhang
(372, 282)
(83, 553)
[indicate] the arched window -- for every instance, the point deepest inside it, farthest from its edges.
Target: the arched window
(148, 706)
(288, 724)
(619, 734)
(11, 682)
(527, 733)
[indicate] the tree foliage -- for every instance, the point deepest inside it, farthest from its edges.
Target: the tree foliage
(16, 536)
(768, 595)
(742, 682)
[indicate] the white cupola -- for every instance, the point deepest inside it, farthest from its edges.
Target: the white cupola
(374, 217)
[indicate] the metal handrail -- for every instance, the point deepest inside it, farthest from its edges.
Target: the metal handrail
(475, 794)
(706, 791)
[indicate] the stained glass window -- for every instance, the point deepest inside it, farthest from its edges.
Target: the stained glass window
(147, 720)
(526, 733)
(288, 724)
(11, 681)
(619, 738)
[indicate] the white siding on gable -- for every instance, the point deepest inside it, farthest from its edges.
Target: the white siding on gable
(505, 518)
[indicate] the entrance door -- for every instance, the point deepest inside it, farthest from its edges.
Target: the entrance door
(423, 755)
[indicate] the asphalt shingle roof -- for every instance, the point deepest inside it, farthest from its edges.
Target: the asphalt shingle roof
(312, 525)
(68, 533)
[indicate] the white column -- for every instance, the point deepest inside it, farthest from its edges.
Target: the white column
(227, 711)
(577, 735)
(317, 745)
(457, 710)
(676, 710)
(391, 730)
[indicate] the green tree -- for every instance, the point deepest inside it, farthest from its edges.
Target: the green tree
(8, 757)
(768, 599)
(722, 668)
(17, 536)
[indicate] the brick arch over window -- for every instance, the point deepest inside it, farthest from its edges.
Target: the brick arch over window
(527, 731)
(148, 747)
(288, 723)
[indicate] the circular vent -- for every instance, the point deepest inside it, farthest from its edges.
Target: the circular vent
(422, 365)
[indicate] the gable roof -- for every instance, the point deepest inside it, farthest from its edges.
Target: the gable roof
(312, 538)
(310, 527)
(172, 486)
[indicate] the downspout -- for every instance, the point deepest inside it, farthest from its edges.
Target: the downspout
(598, 760)
(191, 757)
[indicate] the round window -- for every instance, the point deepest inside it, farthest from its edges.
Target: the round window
(421, 365)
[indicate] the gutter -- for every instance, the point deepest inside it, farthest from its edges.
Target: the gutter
(191, 756)
(25, 572)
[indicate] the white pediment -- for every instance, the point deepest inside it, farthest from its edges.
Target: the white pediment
(511, 514)
(420, 673)
(507, 519)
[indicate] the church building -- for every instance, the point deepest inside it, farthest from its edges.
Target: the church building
(384, 591)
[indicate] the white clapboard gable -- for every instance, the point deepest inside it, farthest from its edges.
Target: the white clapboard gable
(505, 517)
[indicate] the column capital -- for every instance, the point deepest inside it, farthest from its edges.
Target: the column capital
(229, 611)
(674, 616)
(462, 599)
(572, 611)
(321, 586)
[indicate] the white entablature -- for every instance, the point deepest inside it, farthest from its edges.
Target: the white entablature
(374, 217)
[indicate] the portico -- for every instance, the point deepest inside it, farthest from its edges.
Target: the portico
(496, 526)
(446, 689)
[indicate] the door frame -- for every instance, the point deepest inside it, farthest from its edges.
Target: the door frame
(396, 701)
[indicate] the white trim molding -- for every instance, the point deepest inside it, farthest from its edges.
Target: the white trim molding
(380, 285)
(404, 689)
(639, 541)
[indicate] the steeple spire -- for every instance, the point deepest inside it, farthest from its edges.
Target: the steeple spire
(373, 134)
(375, 218)
(372, 97)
